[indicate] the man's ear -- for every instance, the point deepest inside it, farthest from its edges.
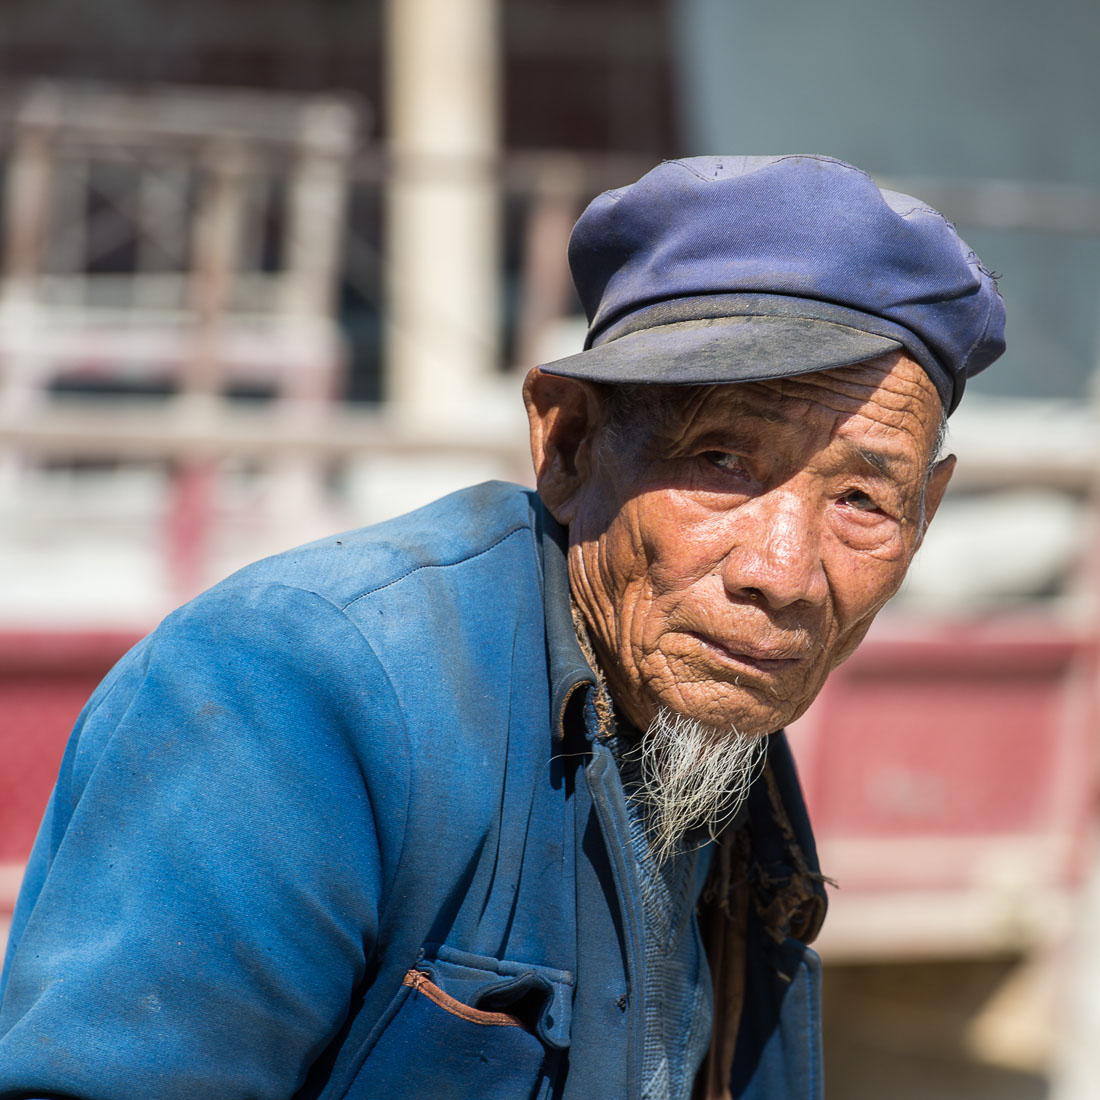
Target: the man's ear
(934, 489)
(564, 414)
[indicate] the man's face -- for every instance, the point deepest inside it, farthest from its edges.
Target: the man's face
(731, 547)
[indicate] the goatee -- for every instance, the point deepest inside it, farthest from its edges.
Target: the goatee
(692, 777)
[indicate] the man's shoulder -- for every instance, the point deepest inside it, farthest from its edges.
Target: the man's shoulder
(451, 531)
(350, 614)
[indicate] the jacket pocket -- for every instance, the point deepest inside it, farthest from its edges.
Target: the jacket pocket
(465, 1026)
(420, 982)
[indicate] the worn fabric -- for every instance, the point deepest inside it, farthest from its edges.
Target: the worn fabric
(341, 827)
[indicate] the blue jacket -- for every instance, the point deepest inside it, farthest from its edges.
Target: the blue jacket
(341, 827)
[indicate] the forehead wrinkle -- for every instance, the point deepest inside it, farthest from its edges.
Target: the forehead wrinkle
(805, 407)
(893, 392)
(681, 411)
(896, 388)
(893, 372)
(677, 414)
(768, 403)
(841, 395)
(759, 409)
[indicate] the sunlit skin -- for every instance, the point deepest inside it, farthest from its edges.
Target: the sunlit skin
(727, 556)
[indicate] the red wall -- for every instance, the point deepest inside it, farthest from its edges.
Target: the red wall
(45, 679)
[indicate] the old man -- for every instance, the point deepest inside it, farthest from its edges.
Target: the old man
(492, 801)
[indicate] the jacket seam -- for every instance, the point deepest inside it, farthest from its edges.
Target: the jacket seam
(519, 528)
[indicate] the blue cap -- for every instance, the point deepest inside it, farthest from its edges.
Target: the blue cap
(738, 269)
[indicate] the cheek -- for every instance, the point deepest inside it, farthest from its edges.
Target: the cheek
(680, 541)
(681, 571)
(652, 563)
(861, 584)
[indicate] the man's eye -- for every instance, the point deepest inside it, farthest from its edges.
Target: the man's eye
(859, 500)
(725, 460)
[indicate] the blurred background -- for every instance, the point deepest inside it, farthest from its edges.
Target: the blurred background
(270, 270)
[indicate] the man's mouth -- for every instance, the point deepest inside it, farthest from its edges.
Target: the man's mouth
(764, 658)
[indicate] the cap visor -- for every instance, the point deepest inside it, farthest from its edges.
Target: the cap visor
(724, 349)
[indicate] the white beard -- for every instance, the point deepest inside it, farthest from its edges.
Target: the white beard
(693, 776)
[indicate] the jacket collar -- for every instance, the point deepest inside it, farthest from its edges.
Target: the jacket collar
(569, 669)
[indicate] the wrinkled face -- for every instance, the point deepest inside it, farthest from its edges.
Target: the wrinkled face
(731, 546)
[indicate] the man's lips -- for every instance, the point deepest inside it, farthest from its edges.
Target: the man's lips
(766, 658)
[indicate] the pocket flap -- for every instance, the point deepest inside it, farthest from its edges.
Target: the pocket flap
(540, 996)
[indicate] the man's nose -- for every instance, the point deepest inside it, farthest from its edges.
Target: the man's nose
(775, 551)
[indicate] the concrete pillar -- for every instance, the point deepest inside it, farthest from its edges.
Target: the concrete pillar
(442, 233)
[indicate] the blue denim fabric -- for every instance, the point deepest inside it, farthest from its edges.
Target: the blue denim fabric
(337, 828)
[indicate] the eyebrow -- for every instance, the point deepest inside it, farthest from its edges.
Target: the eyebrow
(881, 462)
(888, 463)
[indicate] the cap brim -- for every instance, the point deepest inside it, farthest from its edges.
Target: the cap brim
(724, 349)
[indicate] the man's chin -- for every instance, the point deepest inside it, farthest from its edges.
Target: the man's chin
(754, 706)
(726, 717)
